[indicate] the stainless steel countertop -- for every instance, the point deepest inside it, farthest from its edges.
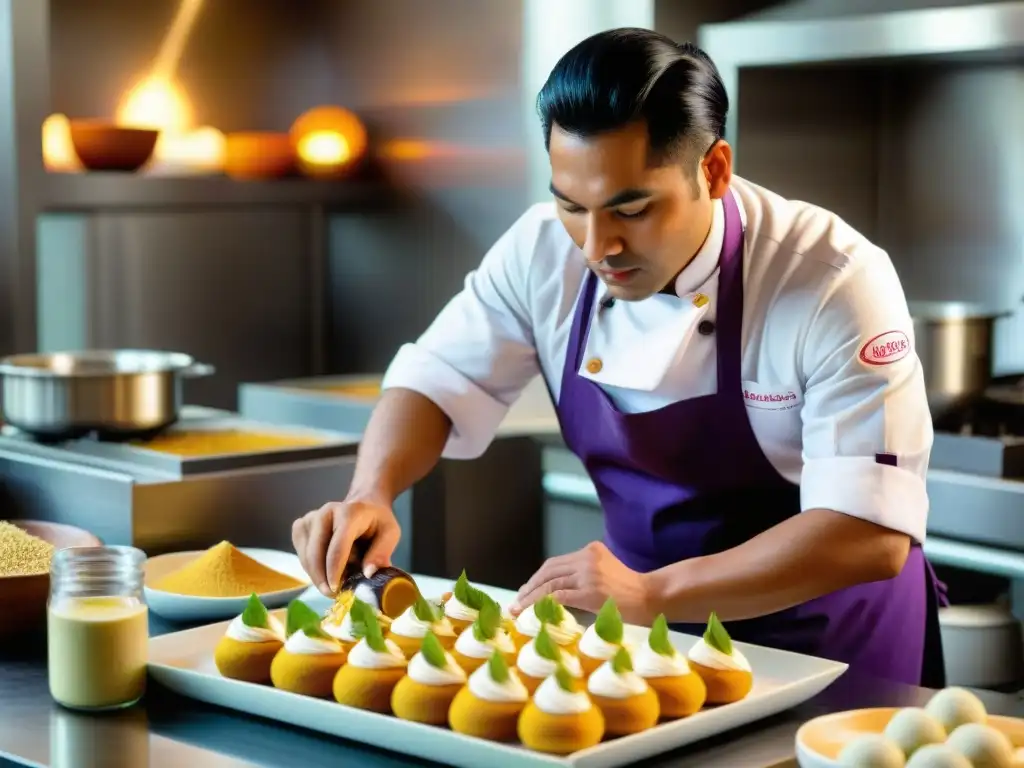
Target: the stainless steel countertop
(169, 731)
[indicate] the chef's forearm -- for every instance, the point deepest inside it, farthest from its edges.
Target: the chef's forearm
(807, 556)
(402, 443)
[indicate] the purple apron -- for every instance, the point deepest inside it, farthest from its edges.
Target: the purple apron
(690, 479)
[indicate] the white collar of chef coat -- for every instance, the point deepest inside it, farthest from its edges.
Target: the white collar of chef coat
(637, 343)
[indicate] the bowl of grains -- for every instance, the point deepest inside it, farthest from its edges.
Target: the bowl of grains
(26, 549)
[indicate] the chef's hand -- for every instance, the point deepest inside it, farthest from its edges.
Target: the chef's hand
(323, 539)
(585, 579)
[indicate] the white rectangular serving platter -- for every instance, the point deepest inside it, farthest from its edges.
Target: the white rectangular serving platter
(183, 663)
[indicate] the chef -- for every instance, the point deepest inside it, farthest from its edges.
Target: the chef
(736, 371)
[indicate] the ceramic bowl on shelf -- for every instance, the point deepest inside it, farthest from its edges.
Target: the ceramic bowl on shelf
(23, 598)
(819, 741)
(104, 146)
(258, 155)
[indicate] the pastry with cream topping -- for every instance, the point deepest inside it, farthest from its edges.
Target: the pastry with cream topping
(539, 658)
(602, 639)
(409, 629)
(430, 684)
(249, 645)
(681, 691)
(561, 718)
(723, 667)
(374, 666)
(485, 636)
(310, 657)
(561, 625)
(489, 705)
(628, 703)
(463, 606)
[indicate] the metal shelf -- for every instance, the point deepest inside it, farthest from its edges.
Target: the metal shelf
(124, 191)
(991, 31)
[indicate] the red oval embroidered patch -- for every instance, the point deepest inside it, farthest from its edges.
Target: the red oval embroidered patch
(885, 348)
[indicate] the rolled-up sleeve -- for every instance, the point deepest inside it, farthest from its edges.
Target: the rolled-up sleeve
(478, 354)
(867, 429)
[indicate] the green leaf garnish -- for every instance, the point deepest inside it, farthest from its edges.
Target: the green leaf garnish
(658, 639)
(498, 668)
(621, 663)
(255, 614)
(467, 594)
(608, 623)
(426, 611)
(565, 681)
(548, 611)
(432, 651)
(366, 626)
(299, 617)
(487, 622)
(546, 647)
(716, 636)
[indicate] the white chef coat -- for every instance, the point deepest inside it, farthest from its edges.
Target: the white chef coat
(830, 377)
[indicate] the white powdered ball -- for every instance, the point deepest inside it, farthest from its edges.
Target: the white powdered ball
(871, 751)
(984, 746)
(913, 728)
(953, 707)
(938, 756)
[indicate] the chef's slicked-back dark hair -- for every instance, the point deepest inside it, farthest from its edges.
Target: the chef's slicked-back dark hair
(621, 76)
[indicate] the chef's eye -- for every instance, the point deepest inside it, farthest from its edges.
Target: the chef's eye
(632, 213)
(573, 209)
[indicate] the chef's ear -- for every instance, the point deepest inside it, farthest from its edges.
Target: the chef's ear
(717, 168)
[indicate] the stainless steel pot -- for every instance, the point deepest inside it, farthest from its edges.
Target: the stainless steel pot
(954, 343)
(117, 392)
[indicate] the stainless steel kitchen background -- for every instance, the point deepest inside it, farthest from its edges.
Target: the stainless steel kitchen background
(241, 285)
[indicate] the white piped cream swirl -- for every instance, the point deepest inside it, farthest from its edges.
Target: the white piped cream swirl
(425, 673)
(243, 633)
(410, 625)
(470, 647)
(458, 610)
(340, 631)
(486, 688)
(301, 643)
(703, 654)
(364, 657)
(536, 666)
(554, 700)
(592, 645)
(649, 663)
(562, 633)
(613, 685)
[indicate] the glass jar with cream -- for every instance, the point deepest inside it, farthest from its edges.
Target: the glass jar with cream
(97, 627)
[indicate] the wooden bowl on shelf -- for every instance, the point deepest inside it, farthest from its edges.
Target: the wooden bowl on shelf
(23, 598)
(103, 146)
(258, 155)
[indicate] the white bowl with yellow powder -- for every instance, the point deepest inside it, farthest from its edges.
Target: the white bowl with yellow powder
(216, 584)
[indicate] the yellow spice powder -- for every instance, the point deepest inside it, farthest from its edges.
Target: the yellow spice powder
(22, 554)
(224, 571)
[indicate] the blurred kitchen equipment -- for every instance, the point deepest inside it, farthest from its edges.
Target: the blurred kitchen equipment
(104, 146)
(982, 646)
(115, 392)
(258, 155)
(954, 342)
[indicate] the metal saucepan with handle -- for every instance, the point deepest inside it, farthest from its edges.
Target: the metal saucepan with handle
(954, 342)
(122, 392)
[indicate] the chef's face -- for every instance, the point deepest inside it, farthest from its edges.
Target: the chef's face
(638, 221)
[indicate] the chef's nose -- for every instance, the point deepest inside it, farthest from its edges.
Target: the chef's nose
(602, 240)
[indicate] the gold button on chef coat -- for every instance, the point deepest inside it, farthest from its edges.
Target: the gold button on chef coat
(699, 300)
(594, 365)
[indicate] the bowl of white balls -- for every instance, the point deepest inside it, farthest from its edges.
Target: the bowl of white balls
(952, 731)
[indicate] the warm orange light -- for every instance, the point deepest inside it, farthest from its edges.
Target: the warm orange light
(198, 151)
(156, 102)
(58, 151)
(328, 141)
